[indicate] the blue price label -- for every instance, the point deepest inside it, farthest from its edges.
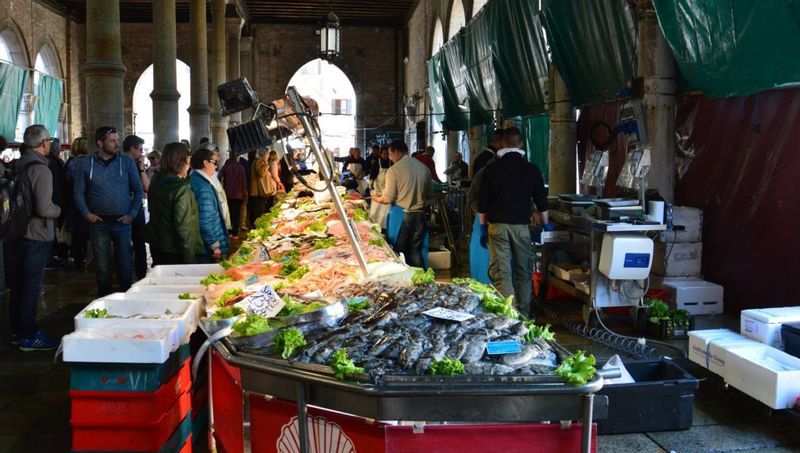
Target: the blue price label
(251, 280)
(503, 347)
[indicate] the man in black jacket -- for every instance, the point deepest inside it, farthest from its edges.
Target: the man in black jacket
(489, 153)
(510, 185)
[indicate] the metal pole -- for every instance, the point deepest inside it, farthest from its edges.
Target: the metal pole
(586, 429)
(294, 98)
(302, 420)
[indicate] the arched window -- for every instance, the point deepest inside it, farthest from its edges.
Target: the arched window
(331, 88)
(477, 5)
(437, 140)
(457, 18)
(5, 52)
(47, 63)
(143, 104)
(438, 37)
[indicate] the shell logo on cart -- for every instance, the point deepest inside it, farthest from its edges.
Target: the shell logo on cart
(323, 437)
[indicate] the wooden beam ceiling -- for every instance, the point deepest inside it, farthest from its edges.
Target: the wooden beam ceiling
(392, 13)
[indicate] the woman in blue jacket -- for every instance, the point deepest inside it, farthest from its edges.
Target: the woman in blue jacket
(211, 203)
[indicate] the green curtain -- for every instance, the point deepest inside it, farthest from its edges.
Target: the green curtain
(536, 133)
(593, 45)
(435, 92)
(49, 95)
(733, 47)
(498, 61)
(12, 86)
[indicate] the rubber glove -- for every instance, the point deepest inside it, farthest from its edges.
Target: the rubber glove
(547, 227)
(484, 235)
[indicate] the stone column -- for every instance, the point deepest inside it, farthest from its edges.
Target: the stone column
(219, 123)
(233, 31)
(198, 110)
(561, 155)
(246, 67)
(103, 70)
(165, 93)
(657, 66)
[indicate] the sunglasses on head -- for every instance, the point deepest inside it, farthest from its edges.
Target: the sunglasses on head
(108, 130)
(215, 162)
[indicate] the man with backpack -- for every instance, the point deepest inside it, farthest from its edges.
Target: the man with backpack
(27, 250)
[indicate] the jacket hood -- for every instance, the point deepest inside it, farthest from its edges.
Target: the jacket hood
(30, 156)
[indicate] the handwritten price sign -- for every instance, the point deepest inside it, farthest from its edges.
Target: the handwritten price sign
(265, 302)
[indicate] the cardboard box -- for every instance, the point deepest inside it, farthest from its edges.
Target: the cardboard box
(720, 350)
(562, 270)
(678, 259)
(698, 297)
(767, 374)
(440, 259)
(692, 221)
(764, 324)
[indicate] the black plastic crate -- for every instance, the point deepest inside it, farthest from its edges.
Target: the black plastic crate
(662, 330)
(791, 339)
(661, 399)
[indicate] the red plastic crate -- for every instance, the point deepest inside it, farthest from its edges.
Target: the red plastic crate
(187, 447)
(129, 407)
(105, 436)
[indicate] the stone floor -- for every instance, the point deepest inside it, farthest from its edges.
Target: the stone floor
(34, 403)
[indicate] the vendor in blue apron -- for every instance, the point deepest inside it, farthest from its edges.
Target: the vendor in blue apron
(408, 184)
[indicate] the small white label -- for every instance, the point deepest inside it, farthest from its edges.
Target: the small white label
(265, 302)
(750, 326)
(447, 314)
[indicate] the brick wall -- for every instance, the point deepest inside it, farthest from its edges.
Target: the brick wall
(35, 26)
(371, 58)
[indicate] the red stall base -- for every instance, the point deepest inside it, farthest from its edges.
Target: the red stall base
(274, 428)
(228, 405)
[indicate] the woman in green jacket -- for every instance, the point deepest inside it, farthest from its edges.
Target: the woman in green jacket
(174, 228)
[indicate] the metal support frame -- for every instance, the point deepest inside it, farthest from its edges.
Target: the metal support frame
(297, 105)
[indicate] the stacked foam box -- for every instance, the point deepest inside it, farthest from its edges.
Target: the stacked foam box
(765, 373)
(131, 383)
(677, 260)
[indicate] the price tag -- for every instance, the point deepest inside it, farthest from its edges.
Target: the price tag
(448, 315)
(265, 302)
(251, 280)
(503, 347)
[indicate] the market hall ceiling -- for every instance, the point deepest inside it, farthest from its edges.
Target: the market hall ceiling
(350, 12)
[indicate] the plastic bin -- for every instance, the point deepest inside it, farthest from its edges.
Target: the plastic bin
(661, 399)
(179, 442)
(791, 339)
(116, 343)
(100, 435)
(184, 270)
(130, 407)
(126, 377)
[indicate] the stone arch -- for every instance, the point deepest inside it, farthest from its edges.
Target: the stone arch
(141, 110)
(325, 95)
(437, 36)
(477, 5)
(456, 18)
(15, 40)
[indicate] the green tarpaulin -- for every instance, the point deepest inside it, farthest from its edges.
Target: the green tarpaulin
(497, 62)
(536, 133)
(49, 94)
(733, 47)
(12, 85)
(593, 43)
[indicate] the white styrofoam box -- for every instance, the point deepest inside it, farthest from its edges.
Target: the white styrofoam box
(130, 313)
(626, 257)
(167, 297)
(120, 345)
(170, 281)
(195, 289)
(184, 270)
(678, 259)
(765, 373)
(439, 259)
(720, 349)
(692, 221)
(698, 297)
(699, 339)
(764, 324)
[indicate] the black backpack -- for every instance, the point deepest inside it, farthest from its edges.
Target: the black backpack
(15, 211)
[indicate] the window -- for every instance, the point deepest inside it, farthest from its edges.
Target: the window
(5, 52)
(342, 107)
(457, 19)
